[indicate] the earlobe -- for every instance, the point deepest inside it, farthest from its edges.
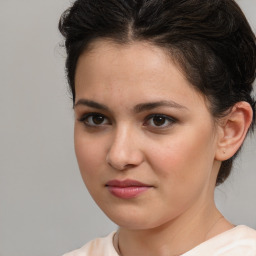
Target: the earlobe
(233, 129)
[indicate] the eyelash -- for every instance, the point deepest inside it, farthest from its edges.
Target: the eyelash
(170, 120)
(166, 118)
(84, 119)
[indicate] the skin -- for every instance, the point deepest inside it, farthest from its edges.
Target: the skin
(179, 158)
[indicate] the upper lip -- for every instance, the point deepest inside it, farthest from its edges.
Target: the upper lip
(126, 183)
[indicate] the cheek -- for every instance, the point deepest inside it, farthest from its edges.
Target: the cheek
(183, 169)
(89, 156)
(184, 156)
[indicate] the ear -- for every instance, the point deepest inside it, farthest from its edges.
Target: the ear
(232, 130)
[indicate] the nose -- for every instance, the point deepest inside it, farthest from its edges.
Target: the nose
(124, 151)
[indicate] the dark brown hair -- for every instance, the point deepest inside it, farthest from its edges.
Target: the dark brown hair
(211, 40)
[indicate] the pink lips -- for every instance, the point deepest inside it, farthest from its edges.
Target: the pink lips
(127, 188)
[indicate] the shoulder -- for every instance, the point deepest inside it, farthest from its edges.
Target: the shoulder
(238, 241)
(97, 247)
(246, 231)
(241, 234)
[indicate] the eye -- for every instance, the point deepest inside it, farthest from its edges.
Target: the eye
(159, 120)
(94, 119)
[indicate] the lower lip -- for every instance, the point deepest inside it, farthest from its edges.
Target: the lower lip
(127, 192)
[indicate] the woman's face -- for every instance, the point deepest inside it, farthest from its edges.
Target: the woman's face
(144, 138)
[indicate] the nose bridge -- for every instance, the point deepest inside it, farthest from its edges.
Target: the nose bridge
(124, 150)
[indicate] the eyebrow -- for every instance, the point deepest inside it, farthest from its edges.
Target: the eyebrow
(91, 104)
(151, 105)
(137, 109)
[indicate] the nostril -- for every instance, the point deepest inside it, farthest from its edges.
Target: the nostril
(116, 163)
(129, 166)
(121, 163)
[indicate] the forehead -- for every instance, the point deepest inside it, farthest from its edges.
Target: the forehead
(109, 69)
(111, 55)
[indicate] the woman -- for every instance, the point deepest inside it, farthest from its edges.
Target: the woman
(161, 92)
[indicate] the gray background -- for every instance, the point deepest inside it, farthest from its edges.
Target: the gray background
(45, 209)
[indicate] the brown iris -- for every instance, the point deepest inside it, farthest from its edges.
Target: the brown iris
(159, 120)
(97, 119)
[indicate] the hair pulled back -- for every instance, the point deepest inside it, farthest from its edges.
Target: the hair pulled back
(210, 40)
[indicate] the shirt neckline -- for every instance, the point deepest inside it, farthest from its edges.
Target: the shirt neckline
(194, 248)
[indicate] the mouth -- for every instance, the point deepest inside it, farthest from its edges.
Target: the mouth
(127, 189)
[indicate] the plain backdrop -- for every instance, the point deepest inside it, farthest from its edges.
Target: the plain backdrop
(45, 209)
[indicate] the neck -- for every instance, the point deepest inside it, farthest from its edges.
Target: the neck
(175, 237)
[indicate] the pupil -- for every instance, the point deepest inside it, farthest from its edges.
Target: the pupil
(158, 120)
(98, 119)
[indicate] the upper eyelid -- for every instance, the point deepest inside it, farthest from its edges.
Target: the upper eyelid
(90, 113)
(80, 111)
(162, 115)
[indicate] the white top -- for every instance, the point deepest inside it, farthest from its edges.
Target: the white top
(238, 241)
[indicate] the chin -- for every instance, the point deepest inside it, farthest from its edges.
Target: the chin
(135, 220)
